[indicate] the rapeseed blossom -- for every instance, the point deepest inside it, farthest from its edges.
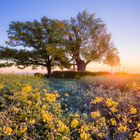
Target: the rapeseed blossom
(32, 121)
(8, 131)
(85, 136)
(46, 116)
(32, 109)
(111, 103)
(23, 130)
(113, 121)
(122, 128)
(113, 109)
(118, 116)
(95, 114)
(1, 86)
(136, 136)
(133, 110)
(74, 123)
(51, 97)
(103, 121)
(84, 128)
(97, 100)
(101, 135)
(26, 89)
(62, 128)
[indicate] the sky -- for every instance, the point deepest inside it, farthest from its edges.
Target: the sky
(122, 18)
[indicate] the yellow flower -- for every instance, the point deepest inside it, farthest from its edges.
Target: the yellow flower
(29, 102)
(130, 121)
(23, 130)
(62, 127)
(57, 108)
(118, 116)
(77, 115)
(125, 119)
(26, 89)
(74, 123)
(47, 117)
(103, 121)
(1, 86)
(122, 128)
(44, 107)
(32, 121)
(95, 114)
(101, 135)
(113, 121)
(111, 103)
(94, 129)
(133, 110)
(84, 128)
(136, 136)
(138, 126)
(14, 109)
(97, 100)
(8, 131)
(85, 136)
(51, 97)
(113, 109)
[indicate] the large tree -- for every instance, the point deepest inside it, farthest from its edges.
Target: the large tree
(37, 43)
(87, 39)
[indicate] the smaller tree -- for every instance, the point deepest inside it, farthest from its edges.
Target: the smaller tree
(87, 39)
(112, 58)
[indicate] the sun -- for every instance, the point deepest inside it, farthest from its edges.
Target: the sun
(121, 69)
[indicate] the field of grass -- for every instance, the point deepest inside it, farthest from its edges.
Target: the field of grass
(93, 107)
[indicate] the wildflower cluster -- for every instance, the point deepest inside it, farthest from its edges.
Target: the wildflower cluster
(30, 111)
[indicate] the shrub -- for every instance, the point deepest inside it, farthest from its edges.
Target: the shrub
(76, 74)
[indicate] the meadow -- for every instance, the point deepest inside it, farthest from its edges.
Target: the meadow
(89, 108)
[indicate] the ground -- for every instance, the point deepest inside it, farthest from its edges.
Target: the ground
(39, 108)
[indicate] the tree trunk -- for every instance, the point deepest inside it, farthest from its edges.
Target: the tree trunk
(49, 69)
(81, 65)
(73, 67)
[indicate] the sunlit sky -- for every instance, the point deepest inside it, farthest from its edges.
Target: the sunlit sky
(122, 18)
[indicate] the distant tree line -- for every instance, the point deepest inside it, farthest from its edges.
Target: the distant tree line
(63, 43)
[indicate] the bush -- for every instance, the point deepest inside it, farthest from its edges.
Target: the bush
(76, 74)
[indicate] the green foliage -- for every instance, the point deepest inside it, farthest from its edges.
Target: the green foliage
(50, 42)
(88, 39)
(42, 42)
(112, 57)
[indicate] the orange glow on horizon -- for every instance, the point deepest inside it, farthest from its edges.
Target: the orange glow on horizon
(131, 68)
